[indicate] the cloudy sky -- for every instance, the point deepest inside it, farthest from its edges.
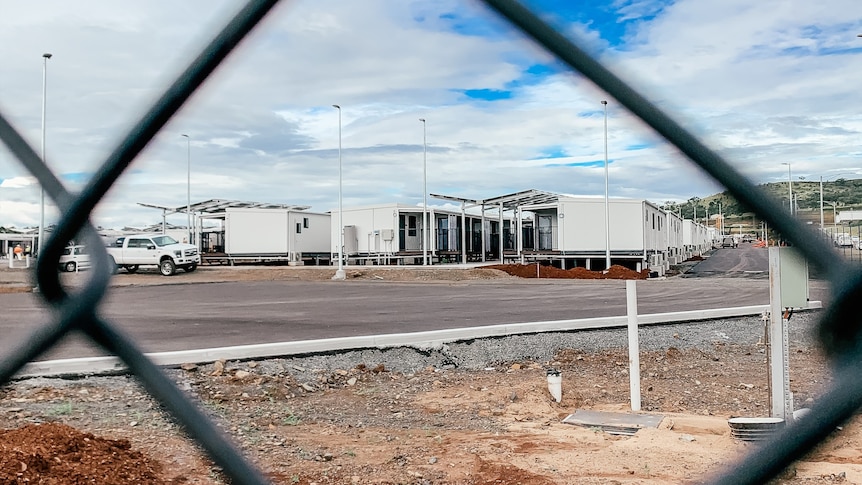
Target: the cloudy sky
(765, 83)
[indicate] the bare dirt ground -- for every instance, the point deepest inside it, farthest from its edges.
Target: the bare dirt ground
(365, 424)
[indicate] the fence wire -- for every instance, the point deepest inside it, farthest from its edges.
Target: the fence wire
(839, 328)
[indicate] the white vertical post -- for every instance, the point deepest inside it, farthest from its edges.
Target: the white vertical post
(45, 58)
(189, 186)
(634, 350)
(780, 399)
(483, 232)
(502, 234)
(425, 231)
(339, 273)
(607, 210)
(821, 205)
(520, 234)
(463, 234)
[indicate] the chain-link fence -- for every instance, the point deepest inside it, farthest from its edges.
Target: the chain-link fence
(839, 329)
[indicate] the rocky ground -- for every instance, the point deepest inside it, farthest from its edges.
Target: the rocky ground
(368, 420)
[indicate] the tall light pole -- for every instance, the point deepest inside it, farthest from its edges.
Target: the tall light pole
(189, 184)
(339, 274)
(607, 210)
(821, 204)
(789, 185)
(425, 227)
(45, 58)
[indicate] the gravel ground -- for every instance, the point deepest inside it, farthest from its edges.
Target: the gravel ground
(481, 353)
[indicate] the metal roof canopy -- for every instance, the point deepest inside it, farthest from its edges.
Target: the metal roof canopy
(509, 201)
(215, 206)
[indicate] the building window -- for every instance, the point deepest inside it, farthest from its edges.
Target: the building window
(411, 226)
(305, 222)
(299, 228)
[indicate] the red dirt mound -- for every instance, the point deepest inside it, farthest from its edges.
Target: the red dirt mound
(58, 454)
(615, 272)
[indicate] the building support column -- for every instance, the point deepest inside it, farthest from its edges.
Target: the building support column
(502, 234)
(463, 234)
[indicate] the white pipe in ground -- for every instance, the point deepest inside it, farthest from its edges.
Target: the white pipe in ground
(555, 384)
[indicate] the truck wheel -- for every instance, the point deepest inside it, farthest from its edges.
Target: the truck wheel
(70, 267)
(167, 267)
(191, 268)
(132, 268)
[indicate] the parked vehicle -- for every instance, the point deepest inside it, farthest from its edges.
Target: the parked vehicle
(131, 252)
(843, 240)
(74, 258)
(729, 242)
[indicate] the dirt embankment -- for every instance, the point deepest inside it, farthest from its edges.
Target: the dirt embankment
(615, 272)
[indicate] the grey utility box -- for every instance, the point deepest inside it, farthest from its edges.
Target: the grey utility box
(793, 277)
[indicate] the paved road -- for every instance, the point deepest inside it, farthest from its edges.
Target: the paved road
(183, 317)
(745, 259)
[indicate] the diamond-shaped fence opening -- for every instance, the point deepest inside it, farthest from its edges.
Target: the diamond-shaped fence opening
(838, 330)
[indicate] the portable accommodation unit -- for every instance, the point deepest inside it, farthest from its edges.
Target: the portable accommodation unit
(573, 229)
(675, 244)
(695, 238)
(397, 233)
(848, 216)
(264, 232)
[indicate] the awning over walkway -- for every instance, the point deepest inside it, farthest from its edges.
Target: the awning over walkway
(509, 201)
(216, 206)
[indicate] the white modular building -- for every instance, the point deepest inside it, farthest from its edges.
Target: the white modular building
(259, 232)
(275, 232)
(402, 234)
(573, 229)
(696, 238)
(675, 243)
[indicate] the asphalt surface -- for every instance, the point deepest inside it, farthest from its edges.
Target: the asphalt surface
(195, 316)
(744, 259)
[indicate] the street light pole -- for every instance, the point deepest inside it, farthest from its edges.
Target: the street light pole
(45, 58)
(425, 228)
(189, 184)
(607, 210)
(821, 204)
(789, 186)
(339, 274)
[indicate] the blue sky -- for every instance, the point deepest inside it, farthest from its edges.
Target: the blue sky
(762, 82)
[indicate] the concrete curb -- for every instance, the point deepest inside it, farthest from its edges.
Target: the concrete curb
(424, 340)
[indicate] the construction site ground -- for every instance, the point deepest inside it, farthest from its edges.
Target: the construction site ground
(365, 423)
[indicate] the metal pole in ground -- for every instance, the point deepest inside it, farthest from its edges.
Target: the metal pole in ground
(634, 350)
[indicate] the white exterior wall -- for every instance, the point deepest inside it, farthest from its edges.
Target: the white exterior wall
(582, 227)
(256, 231)
(315, 238)
(689, 233)
(674, 231)
(844, 216)
(695, 235)
(367, 220)
(655, 228)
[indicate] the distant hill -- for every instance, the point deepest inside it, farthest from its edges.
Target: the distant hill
(844, 194)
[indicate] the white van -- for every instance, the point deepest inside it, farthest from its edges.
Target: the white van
(74, 258)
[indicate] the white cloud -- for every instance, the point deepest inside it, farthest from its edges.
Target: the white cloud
(18, 182)
(753, 78)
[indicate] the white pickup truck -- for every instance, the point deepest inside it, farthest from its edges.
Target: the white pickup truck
(130, 252)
